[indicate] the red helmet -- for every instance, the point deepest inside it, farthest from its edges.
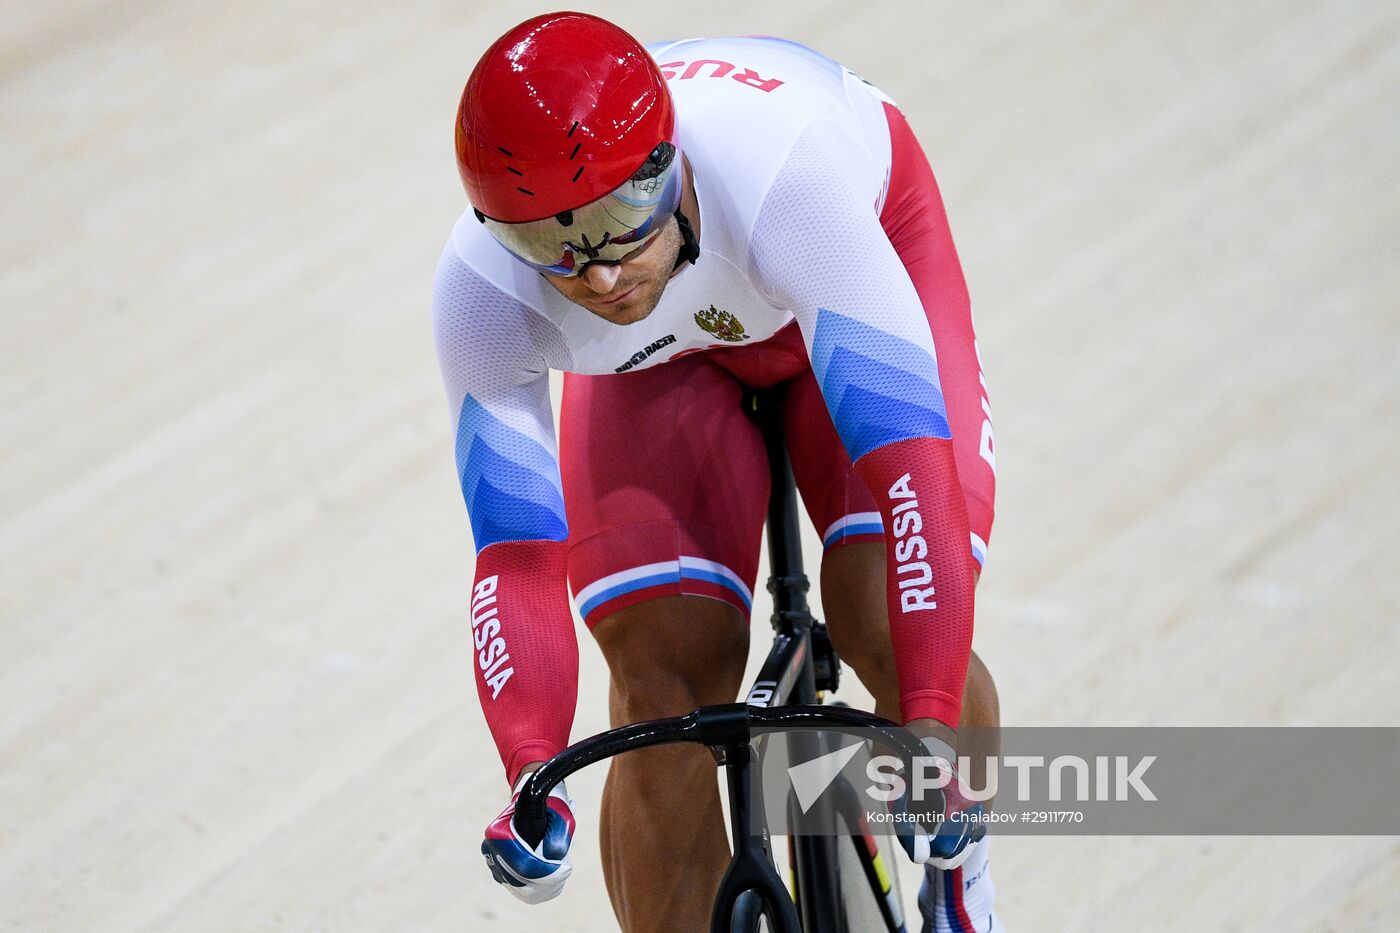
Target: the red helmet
(566, 142)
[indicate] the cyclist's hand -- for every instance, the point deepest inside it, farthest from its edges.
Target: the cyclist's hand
(538, 874)
(961, 826)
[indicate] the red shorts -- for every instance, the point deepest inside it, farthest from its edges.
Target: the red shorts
(666, 478)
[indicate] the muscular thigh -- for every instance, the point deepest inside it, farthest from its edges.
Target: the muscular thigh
(665, 485)
(670, 655)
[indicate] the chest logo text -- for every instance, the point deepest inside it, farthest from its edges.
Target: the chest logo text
(636, 359)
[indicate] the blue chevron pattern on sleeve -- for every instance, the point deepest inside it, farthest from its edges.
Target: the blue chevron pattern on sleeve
(879, 388)
(510, 481)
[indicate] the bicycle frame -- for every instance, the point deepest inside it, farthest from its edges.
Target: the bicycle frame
(801, 662)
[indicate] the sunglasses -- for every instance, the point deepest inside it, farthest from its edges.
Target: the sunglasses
(608, 230)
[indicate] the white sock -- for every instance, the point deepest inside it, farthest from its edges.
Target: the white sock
(949, 900)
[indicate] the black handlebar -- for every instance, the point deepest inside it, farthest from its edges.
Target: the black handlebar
(724, 726)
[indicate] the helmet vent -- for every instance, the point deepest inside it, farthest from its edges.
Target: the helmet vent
(525, 191)
(578, 173)
(570, 134)
(514, 171)
(504, 151)
(577, 146)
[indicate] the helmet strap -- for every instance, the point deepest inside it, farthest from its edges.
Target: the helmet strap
(690, 247)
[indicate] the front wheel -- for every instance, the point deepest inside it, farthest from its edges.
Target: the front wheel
(750, 914)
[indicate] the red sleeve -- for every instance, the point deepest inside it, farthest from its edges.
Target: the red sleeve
(525, 650)
(929, 572)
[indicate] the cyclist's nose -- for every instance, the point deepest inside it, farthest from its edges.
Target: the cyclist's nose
(600, 278)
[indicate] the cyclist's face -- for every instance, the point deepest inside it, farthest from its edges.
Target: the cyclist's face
(627, 291)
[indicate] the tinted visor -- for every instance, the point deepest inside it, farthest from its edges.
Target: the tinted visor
(605, 230)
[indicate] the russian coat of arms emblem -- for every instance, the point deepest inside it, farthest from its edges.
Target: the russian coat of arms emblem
(721, 324)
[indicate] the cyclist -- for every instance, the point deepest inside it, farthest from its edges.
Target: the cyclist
(667, 227)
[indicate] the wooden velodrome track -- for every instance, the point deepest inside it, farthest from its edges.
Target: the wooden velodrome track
(235, 690)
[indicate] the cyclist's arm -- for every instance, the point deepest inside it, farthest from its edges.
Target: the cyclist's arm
(818, 249)
(523, 643)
